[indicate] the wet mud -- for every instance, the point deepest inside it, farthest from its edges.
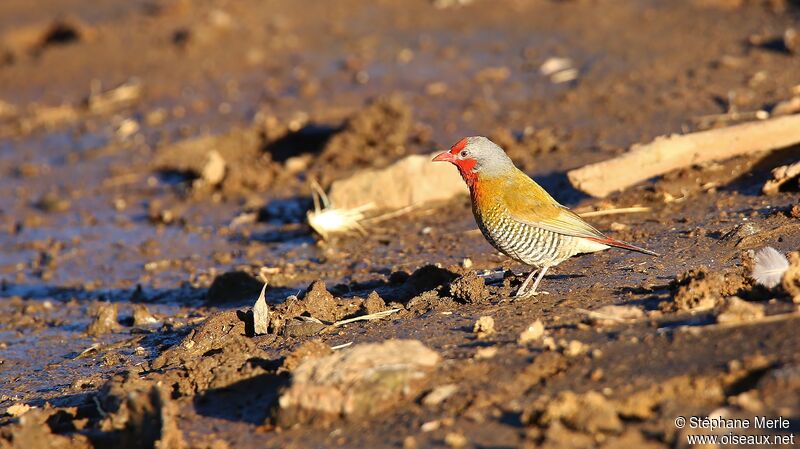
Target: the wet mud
(155, 164)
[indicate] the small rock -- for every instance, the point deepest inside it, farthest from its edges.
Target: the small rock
(439, 395)
(127, 128)
(533, 332)
(573, 348)
(431, 426)
(549, 343)
(296, 164)
(484, 327)
(791, 40)
(356, 382)
(104, 321)
(455, 440)
(410, 442)
(736, 310)
(615, 226)
(612, 314)
(554, 65)
(486, 353)
(18, 409)
(212, 171)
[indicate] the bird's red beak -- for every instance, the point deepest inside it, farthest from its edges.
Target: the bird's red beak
(444, 157)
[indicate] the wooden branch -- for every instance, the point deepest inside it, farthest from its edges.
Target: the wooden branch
(667, 153)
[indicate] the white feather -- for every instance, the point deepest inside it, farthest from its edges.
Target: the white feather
(770, 266)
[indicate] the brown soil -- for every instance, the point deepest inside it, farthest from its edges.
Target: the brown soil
(155, 159)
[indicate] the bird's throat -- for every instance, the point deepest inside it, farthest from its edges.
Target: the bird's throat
(466, 169)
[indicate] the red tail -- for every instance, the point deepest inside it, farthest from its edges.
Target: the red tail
(618, 244)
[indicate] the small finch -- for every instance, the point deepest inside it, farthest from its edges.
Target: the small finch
(517, 216)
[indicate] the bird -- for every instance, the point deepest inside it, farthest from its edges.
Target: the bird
(518, 217)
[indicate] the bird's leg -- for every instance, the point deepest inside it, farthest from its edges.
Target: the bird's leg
(539, 279)
(521, 289)
(523, 294)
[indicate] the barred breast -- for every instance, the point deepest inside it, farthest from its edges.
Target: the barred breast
(522, 242)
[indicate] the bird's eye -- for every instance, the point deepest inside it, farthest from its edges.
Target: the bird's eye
(464, 153)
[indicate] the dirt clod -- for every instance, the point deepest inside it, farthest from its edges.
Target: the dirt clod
(357, 382)
(614, 314)
(320, 303)
(105, 319)
(784, 178)
(379, 131)
(484, 327)
(142, 316)
(424, 279)
(532, 333)
(215, 354)
(141, 416)
(374, 304)
(791, 278)
(234, 162)
(590, 413)
(33, 431)
(573, 348)
(702, 289)
(312, 349)
(300, 328)
(469, 288)
(18, 409)
(735, 310)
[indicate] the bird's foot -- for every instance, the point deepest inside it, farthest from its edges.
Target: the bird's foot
(526, 295)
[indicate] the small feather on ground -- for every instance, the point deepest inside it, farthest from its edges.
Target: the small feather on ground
(769, 267)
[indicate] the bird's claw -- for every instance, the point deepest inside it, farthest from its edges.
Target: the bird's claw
(527, 295)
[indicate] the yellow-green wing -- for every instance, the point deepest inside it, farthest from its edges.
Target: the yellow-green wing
(529, 203)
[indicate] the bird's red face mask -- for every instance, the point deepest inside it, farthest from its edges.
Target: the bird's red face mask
(458, 157)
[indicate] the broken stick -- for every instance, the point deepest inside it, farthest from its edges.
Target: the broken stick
(667, 153)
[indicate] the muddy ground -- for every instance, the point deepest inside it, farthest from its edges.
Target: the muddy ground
(155, 158)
